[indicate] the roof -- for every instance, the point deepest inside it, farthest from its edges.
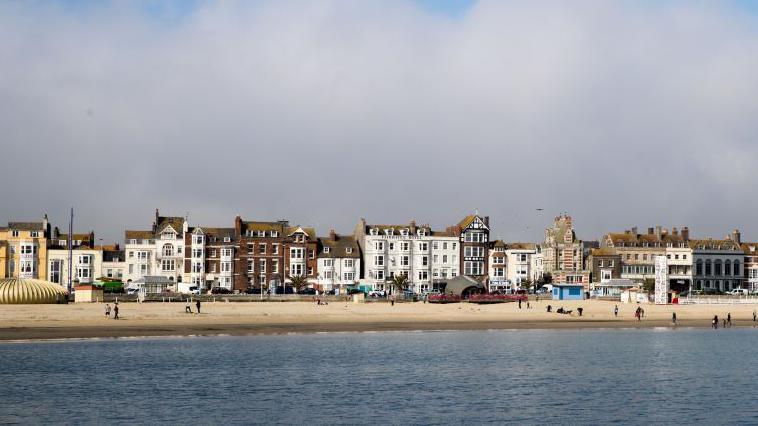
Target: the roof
(604, 251)
(20, 291)
(749, 247)
(629, 237)
(498, 243)
(176, 222)
(714, 245)
(139, 235)
(459, 284)
(567, 285)
(263, 226)
(216, 234)
(338, 248)
(113, 256)
(521, 246)
(466, 221)
(311, 232)
(26, 226)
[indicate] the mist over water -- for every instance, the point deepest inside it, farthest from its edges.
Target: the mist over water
(526, 376)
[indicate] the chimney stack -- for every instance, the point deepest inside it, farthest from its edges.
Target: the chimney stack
(685, 233)
(650, 231)
(658, 230)
(332, 235)
(238, 226)
(674, 231)
(486, 220)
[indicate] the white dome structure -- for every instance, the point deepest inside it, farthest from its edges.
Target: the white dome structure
(20, 291)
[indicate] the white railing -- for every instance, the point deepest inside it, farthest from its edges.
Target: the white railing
(718, 300)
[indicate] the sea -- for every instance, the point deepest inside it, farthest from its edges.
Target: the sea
(614, 376)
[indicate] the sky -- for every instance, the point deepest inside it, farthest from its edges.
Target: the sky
(627, 113)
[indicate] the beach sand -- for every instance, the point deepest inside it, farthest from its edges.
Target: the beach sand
(86, 320)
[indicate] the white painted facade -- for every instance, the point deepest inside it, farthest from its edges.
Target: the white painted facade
(337, 272)
(86, 266)
(421, 255)
(140, 258)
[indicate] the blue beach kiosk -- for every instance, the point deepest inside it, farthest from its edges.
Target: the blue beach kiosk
(565, 291)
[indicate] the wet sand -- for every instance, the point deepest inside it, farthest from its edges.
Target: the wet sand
(24, 322)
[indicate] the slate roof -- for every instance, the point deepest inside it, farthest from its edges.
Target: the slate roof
(26, 226)
(338, 248)
(714, 245)
(176, 222)
(521, 246)
(139, 235)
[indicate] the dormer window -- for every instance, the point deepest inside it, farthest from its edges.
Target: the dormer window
(34, 234)
(14, 233)
(62, 242)
(390, 231)
(261, 233)
(227, 239)
(374, 231)
(326, 249)
(274, 234)
(349, 250)
(168, 236)
(404, 232)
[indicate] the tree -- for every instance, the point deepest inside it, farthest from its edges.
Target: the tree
(299, 282)
(399, 282)
(527, 285)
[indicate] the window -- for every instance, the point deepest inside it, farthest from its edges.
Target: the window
(250, 265)
(349, 263)
(474, 237)
(424, 260)
(227, 239)
(473, 268)
(168, 250)
(310, 271)
(423, 246)
(473, 251)
(296, 269)
(348, 276)
(328, 274)
(197, 252)
(143, 255)
(600, 263)
(444, 258)
(275, 266)
(132, 241)
(85, 259)
(404, 260)
(131, 269)
(34, 234)
(699, 267)
(197, 239)
(213, 268)
(297, 253)
(435, 245)
(349, 250)
(227, 252)
(226, 266)
(435, 258)
(55, 271)
(708, 267)
(168, 265)
(168, 236)
(499, 272)
(262, 266)
(378, 260)
(14, 233)
(262, 248)
(311, 254)
(423, 275)
(379, 245)
(379, 275)
(326, 249)
(328, 262)
(737, 268)
(444, 245)
(197, 267)
(405, 246)
(83, 273)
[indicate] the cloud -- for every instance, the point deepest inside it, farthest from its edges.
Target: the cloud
(624, 113)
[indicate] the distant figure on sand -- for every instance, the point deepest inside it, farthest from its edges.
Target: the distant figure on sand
(549, 308)
(527, 305)
(108, 311)
(616, 311)
(197, 305)
(673, 318)
(637, 314)
(187, 308)
(715, 322)
(115, 312)
(579, 310)
(729, 318)
(753, 315)
(642, 312)
(519, 303)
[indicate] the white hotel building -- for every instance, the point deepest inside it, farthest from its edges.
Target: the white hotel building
(423, 255)
(159, 252)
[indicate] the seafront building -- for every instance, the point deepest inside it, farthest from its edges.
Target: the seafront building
(563, 253)
(86, 260)
(24, 249)
(338, 262)
(158, 251)
(416, 251)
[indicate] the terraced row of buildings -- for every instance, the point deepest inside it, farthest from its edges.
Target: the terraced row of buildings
(267, 254)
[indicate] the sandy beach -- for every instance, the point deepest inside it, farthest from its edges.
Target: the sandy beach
(21, 322)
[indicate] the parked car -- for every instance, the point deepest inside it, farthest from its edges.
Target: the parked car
(220, 290)
(132, 291)
(194, 290)
(352, 291)
(253, 290)
(285, 290)
(311, 291)
(739, 292)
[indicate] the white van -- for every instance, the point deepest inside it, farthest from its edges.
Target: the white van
(739, 292)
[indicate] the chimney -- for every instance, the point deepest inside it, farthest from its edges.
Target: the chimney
(238, 226)
(735, 236)
(332, 235)
(486, 220)
(413, 226)
(650, 231)
(685, 233)
(56, 233)
(674, 231)
(92, 238)
(155, 223)
(658, 230)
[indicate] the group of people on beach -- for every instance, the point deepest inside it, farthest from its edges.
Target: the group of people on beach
(108, 310)
(188, 307)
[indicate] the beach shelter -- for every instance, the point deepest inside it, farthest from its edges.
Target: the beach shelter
(20, 291)
(566, 291)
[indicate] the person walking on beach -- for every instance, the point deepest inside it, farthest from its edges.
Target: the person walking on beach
(715, 322)
(729, 318)
(392, 300)
(579, 310)
(637, 314)
(197, 305)
(753, 315)
(642, 312)
(673, 318)
(115, 312)
(616, 311)
(724, 325)
(187, 308)
(107, 310)
(519, 303)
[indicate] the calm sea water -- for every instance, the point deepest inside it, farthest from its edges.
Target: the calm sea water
(524, 376)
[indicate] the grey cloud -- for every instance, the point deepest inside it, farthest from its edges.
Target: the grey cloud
(619, 113)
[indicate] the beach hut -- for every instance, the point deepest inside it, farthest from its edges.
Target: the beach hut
(565, 291)
(88, 294)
